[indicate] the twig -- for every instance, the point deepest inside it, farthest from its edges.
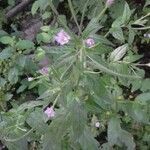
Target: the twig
(17, 9)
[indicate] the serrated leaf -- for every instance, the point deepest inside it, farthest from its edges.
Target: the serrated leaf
(13, 75)
(29, 105)
(78, 119)
(3, 33)
(21, 60)
(2, 81)
(91, 28)
(7, 40)
(44, 37)
(117, 33)
(119, 52)
(143, 98)
(126, 14)
(6, 53)
(36, 121)
(137, 111)
(49, 142)
(88, 142)
(118, 136)
(24, 45)
(21, 88)
(145, 85)
(106, 69)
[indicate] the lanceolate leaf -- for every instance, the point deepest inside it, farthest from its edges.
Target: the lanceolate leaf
(119, 52)
(107, 70)
(126, 13)
(13, 75)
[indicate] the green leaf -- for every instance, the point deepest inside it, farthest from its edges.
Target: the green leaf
(21, 60)
(78, 119)
(35, 7)
(126, 14)
(45, 28)
(13, 75)
(118, 136)
(117, 33)
(29, 105)
(91, 28)
(36, 121)
(25, 45)
(119, 52)
(44, 37)
(7, 40)
(49, 142)
(2, 81)
(8, 96)
(143, 98)
(131, 35)
(46, 15)
(137, 111)
(6, 53)
(145, 85)
(21, 88)
(106, 69)
(88, 142)
(3, 33)
(60, 125)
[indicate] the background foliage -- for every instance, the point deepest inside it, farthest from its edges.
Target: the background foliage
(107, 83)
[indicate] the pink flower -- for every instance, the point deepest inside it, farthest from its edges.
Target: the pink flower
(109, 2)
(90, 42)
(97, 124)
(44, 71)
(62, 37)
(49, 112)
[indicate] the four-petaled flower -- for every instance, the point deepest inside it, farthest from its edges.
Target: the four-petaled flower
(49, 112)
(62, 37)
(90, 42)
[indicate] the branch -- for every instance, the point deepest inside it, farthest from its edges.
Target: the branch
(17, 9)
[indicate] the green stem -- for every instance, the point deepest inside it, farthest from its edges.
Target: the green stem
(102, 13)
(143, 17)
(143, 28)
(60, 20)
(55, 101)
(83, 14)
(107, 34)
(17, 139)
(74, 16)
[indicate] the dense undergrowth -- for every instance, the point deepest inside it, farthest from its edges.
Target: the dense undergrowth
(74, 75)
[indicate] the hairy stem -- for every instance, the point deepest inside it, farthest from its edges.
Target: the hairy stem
(74, 16)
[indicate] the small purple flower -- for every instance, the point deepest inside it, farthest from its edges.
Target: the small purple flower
(109, 2)
(97, 124)
(30, 79)
(62, 37)
(90, 42)
(49, 112)
(44, 71)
